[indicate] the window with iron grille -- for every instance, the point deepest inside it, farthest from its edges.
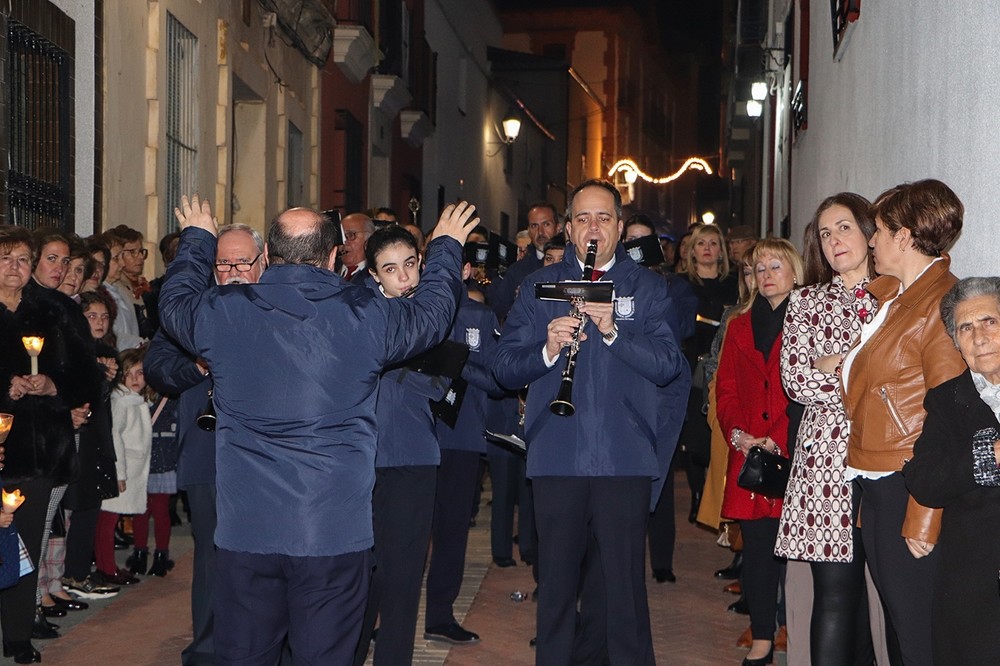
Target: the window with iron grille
(40, 117)
(182, 117)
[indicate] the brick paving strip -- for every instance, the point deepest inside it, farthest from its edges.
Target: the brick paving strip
(150, 624)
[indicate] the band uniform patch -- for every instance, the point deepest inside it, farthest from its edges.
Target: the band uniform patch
(624, 307)
(472, 338)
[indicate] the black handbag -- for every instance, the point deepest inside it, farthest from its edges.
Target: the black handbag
(107, 477)
(764, 473)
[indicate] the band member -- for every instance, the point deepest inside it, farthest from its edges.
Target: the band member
(591, 470)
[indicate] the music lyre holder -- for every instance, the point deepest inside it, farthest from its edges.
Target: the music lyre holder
(569, 291)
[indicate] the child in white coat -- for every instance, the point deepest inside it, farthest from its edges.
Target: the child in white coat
(133, 440)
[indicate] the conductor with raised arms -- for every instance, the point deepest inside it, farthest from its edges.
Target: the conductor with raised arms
(592, 469)
(295, 403)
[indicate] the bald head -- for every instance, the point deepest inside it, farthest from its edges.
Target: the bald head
(301, 236)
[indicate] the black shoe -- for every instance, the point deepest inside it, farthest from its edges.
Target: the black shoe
(161, 564)
(664, 576)
(138, 562)
(695, 503)
(53, 611)
(122, 540)
(451, 633)
(533, 642)
(732, 572)
(504, 562)
(71, 604)
(43, 629)
(763, 661)
(739, 606)
(22, 651)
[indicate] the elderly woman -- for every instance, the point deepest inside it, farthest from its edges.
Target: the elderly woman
(751, 411)
(902, 353)
(956, 466)
(823, 321)
(39, 449)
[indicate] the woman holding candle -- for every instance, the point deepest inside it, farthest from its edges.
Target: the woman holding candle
(39, 450)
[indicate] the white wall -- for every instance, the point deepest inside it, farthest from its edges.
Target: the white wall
(917, 95)
(82, 13)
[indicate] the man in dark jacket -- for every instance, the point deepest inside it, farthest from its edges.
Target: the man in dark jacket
(543, 225)
(592, 471)
(171, 370)
(296, 434)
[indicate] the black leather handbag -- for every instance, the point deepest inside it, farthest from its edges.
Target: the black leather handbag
(764, 473)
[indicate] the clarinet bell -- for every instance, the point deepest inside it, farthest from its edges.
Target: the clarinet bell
(206, 420)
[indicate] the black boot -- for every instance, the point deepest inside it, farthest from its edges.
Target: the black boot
(22, 651)
(732, 572)
(695, 505)
(43, 629)
(138, 561)
(122, 540)
(161, 564)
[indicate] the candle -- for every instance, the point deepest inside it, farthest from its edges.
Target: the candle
(33, 345)
(12, 500)
(6, 421)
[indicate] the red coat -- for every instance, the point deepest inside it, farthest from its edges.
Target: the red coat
(750, 397)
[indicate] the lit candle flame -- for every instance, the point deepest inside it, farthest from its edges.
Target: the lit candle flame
(6, 422)
(12, 500)
(33, 345)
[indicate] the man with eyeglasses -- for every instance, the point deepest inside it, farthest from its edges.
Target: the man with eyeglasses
(357, 228)
(171, 370)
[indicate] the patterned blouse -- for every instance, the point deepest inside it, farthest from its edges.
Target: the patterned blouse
(821, 320)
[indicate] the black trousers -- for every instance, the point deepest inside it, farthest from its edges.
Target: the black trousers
(906, 584)
(17, 603)
(201, 501)
(606, 516)
(839, 634)
(455, 494)
(663, 528)
(402, 506)
(80, 543)
(762, 575)
(510, 489)
(317, 602)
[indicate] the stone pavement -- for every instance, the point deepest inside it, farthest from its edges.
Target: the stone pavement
(150, 623)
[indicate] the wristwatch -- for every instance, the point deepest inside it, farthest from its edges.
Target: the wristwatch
(611, 335)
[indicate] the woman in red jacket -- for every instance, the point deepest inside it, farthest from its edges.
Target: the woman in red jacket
(751, 411)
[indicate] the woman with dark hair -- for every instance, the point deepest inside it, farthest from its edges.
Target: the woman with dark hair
(39, 449)
(751, 417)
(406, 464)
(822, 322)
(902, 353)
(956, 466)
(53, 257)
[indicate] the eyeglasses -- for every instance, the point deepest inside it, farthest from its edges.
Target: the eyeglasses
(353, 235)
(241, 266)
(136, 253)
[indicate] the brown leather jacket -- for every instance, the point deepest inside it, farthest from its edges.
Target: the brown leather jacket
(908, 355)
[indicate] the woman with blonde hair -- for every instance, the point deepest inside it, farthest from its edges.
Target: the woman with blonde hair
(716, 288)
(752, 412)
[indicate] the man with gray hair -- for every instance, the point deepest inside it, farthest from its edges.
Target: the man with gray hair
(171, 370)
(358, 228)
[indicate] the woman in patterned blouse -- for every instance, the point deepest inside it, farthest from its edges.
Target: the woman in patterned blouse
(821, 324)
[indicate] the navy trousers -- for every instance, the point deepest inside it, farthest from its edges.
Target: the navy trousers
(456, 491)
(201, 500)
(402, 507)
(510, 489)
(603, 518)
(317, 602)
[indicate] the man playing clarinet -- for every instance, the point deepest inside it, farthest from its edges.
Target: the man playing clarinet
(592, 469)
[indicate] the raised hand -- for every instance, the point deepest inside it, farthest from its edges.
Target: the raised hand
(194, 212)
(457, 220)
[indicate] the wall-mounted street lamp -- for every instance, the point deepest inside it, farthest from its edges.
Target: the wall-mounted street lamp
(754, 108)
(511, 127)
(708, 217)
(758, 91)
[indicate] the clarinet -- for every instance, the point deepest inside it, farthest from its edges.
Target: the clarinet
(563, 404)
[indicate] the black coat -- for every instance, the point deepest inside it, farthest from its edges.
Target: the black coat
(966, 607)
(40, 443)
